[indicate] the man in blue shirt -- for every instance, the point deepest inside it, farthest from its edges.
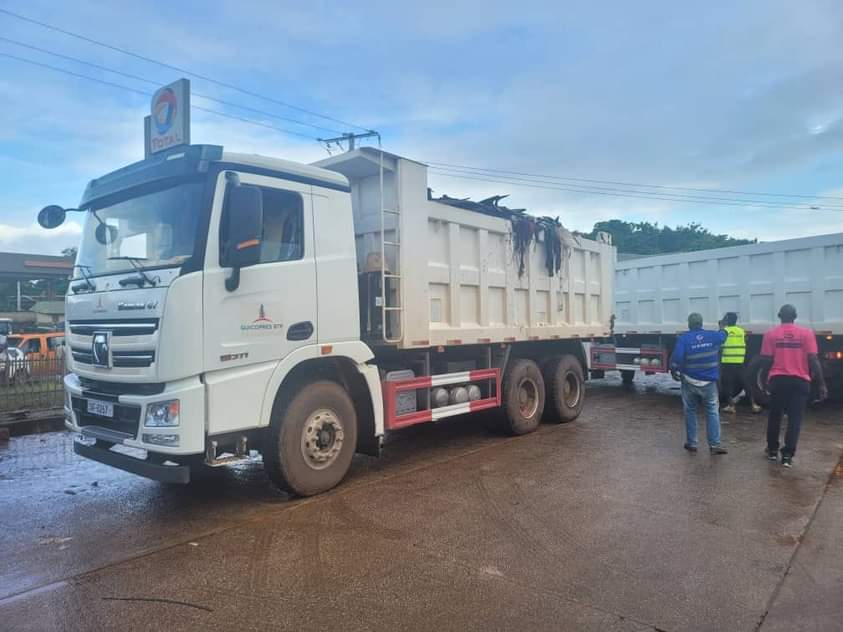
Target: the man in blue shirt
(696, 362)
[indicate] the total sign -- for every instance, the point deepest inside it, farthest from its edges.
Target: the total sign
(169, 123)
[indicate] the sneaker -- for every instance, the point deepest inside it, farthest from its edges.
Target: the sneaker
(729, 408)
(756, 408)
(718, 449)
(772, 455)
(690, 448)
(787, 461)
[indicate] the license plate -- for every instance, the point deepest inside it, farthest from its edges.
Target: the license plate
(103, 409)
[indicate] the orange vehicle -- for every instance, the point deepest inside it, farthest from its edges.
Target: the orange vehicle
(40, 348)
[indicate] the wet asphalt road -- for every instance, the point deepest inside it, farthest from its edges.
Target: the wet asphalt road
(602, 524)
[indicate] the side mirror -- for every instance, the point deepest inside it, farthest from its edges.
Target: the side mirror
(244, 209)
(51, 216)
(105, 234)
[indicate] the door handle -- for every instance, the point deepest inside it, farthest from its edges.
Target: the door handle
(300, 331)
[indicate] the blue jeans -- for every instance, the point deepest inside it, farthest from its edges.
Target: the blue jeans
(692, 396)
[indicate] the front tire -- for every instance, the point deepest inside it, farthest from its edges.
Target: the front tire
(565, 388)
(311, 440)
(523, 397)
(627, 376)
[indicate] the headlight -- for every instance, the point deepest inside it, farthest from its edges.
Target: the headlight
(161, 414)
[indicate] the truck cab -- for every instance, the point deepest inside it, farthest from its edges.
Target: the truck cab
(208, 283)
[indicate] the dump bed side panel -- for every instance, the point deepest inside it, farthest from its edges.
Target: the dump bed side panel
(460, 278)
(656, 294)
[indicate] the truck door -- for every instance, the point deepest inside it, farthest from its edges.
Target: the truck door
(273, 311)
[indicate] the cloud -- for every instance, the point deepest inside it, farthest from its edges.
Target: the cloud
(33, 238)
(654, 93)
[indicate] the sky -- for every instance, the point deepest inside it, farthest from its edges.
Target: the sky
(719, 95)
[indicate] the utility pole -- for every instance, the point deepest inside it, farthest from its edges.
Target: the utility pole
(350, 138)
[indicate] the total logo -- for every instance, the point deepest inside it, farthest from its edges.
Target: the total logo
(167, 120)
(700, 337)
(261, 323)
(164, 110)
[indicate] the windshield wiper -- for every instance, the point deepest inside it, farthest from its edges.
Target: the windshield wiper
(87, 284)
(142, 279)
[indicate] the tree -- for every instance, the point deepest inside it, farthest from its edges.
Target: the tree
(645, 238)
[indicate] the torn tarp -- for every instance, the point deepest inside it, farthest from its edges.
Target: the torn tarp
(526, 229)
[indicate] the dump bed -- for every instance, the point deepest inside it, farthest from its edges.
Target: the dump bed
(453, 272)
(656, 294)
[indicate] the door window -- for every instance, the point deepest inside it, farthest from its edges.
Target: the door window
(55, 342)
(282, 237)
(33, 345)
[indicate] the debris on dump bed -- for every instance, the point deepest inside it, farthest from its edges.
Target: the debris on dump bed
(526, 230)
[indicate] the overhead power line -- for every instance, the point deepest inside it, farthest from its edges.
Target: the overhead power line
(692, 195)
(149, 94)
(655, 196)
(487, 171)
(637, 192)
(158, 83)
(150, 60)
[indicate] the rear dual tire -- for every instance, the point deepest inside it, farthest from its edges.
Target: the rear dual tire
(753, 378)
(523, 396)
(565, 382)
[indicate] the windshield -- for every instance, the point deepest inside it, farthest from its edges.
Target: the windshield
(155, 229)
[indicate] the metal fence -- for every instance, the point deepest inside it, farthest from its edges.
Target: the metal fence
(30, 387)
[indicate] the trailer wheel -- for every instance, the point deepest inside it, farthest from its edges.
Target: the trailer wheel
(523, 397)
(627, 376)
(753, 379)
(565, 389)
(312, 440)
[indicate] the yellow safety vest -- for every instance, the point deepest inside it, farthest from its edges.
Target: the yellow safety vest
(734, 349)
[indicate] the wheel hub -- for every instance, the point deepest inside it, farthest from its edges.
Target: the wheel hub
(322, 439)
(571, 391)
(528, 398)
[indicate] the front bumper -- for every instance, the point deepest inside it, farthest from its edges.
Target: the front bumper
(141, 467)
(125, 431)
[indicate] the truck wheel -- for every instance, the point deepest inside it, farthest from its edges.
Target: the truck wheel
(311, 440)
(627, 376)
(523, 397)
(753, 379)
(565, 388)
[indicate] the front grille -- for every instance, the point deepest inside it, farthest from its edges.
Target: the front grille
(85, 357)
(121, 327)
(108, 390)
(119, 359)
(126, 417)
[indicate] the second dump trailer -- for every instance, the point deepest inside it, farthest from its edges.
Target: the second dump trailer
(654, 295)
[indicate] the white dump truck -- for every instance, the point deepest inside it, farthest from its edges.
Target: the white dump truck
(223, 303)
(654, 295)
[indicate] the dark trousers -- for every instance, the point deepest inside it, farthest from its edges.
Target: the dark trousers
(731, 379)
(787, 394)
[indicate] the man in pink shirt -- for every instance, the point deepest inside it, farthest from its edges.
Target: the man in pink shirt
(790, 352)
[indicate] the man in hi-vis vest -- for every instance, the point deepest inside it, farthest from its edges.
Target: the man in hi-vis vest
(732, 360)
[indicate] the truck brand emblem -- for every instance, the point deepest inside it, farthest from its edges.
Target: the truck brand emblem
(99, 307)
(100, 349)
